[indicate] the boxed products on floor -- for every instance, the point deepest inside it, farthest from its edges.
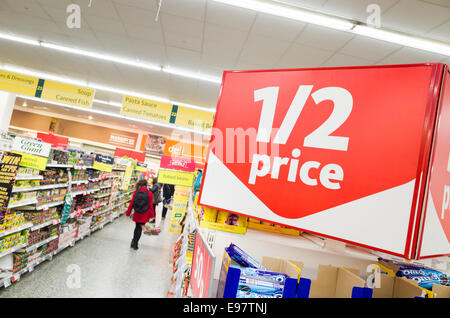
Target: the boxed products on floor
(20, 261)
(67, 234)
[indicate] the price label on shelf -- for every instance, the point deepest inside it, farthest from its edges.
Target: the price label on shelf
(202, 268)
(7, 283)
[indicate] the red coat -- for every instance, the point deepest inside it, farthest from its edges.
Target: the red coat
(142, 217)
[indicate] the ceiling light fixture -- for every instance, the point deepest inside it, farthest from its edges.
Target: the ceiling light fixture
(291, 13)
(186, 73)
(295, 12)
(120, 116)
(403, 39)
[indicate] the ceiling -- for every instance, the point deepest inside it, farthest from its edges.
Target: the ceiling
(206, 36)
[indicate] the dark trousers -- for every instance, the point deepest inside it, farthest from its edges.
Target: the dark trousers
(164, 212)
(137, 233)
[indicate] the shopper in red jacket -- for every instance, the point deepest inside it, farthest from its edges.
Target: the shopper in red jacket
(143, 210)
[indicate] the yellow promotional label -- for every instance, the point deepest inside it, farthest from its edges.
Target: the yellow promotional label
(181, 178)
(139, 168)
(145, 108)
(127, 177)
(194, 118)
(17, 83)
(31, 161)
(68, 94)
(102, 166)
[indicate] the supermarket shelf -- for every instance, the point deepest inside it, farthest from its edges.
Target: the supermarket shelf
(12, 250)
(43, 187)
(106, 187)
(83, 236)
(84, 192)
(29, 177)
(101, 196)
(119, 169)
(57, 165)
(22, 203)
(40, 226)
(39, 244)
(17, 229)
(80, 182)
(81, 167)
(48, 205)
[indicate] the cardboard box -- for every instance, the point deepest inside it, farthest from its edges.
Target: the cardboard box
(335, 282)
(399, 287)
(229, 275)
(289, 267)
(441, 291)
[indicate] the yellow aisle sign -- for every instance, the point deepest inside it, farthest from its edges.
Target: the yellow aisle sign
(194, 118)
(68, 94)
(147, 109)
(17, 83)
(180, 201)
(31, 161)
(179, 178)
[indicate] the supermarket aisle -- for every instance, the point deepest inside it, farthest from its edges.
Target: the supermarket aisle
(108, 267)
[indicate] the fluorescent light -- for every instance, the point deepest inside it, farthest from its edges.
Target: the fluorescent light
(198, 76)
(291, 13)
(111, 103)
(126, 92)
(403, 39)
(101, 56)
(18, 39)
(129, 118)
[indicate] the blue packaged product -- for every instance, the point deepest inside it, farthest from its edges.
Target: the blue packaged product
(264, 275)
(254, 288)
(424, 276)
(240, 257)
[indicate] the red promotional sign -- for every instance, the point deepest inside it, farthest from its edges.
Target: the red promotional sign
(339, 152)
(56, 141)
(176, 163)
(139, 156)
(435, 232)
(202, 268)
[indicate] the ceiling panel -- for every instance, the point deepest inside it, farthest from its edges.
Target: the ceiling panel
(263, 50)
(299, 56)
(229, 35)
(136, 15)
(144, 34)
(193, 9)
(346, 60)
(105, 25)
(408, 55)
(99, 8)
(27, 7)
(181, 41)
(323, 38)
(61, 4)
(115, 44)
(276, 27)
(414, 16)
(182, 58)
(219, 53)
(185, 26)
(220, 14)
(140, 4)
(367, 48)
(441, 32)
(149, 51)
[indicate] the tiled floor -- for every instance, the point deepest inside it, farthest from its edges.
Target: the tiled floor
(107, 267)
